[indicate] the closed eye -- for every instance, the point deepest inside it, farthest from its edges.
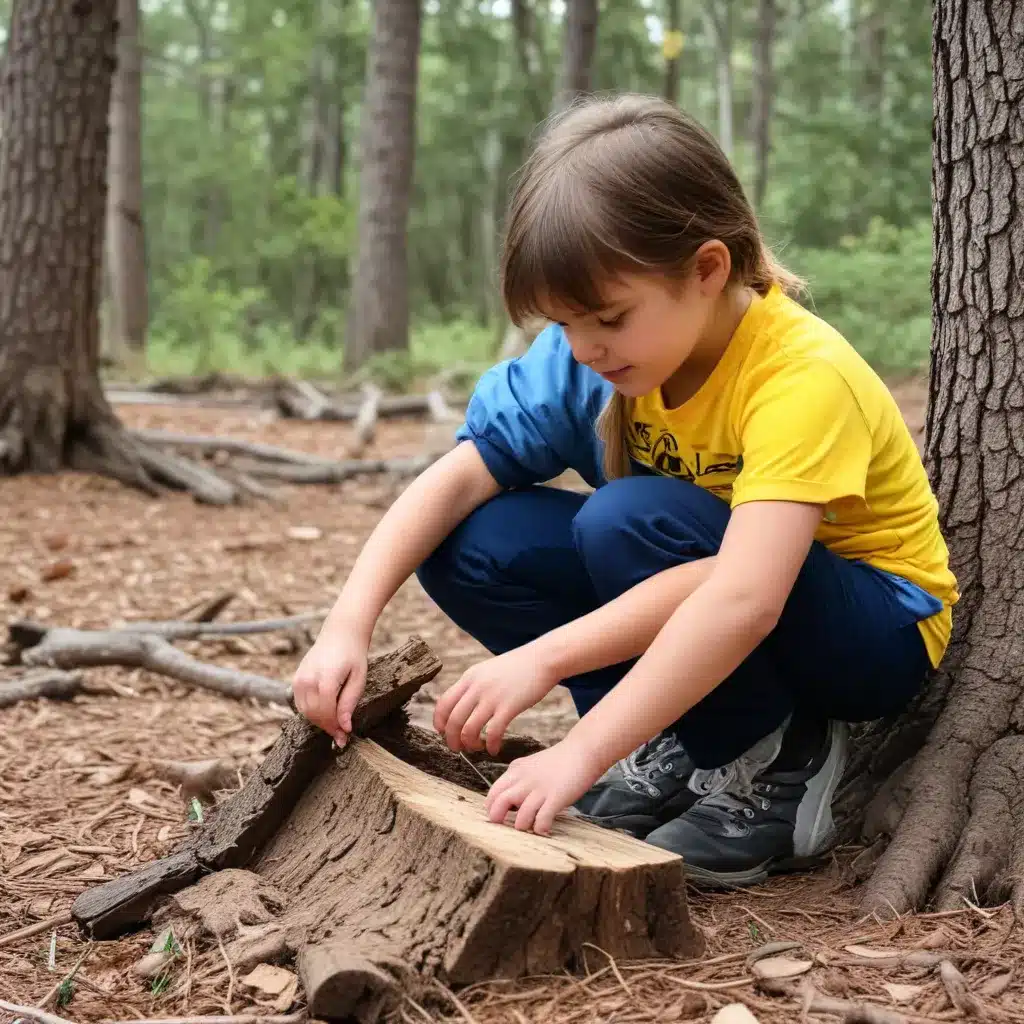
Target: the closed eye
(615, 321)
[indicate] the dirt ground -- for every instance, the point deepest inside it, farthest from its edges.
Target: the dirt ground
(82, 799)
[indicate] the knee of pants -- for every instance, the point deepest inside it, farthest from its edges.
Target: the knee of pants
(665, 518)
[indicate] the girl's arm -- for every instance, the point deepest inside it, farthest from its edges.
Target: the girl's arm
(703, 641)
(422, 516)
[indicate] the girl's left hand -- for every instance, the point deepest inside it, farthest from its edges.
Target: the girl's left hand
(543, 784)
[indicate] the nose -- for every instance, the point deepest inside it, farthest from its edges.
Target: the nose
(584, 350)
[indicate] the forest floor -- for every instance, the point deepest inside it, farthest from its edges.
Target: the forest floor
(79, 801)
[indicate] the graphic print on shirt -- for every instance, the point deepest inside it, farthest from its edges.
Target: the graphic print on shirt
(712, 471)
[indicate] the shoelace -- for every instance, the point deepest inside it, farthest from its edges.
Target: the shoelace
(634, 765)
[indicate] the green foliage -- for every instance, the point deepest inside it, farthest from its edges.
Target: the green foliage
(251, 227)
(875, 290)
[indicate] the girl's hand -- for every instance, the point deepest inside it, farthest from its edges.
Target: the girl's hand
(543, 784)
(491, 694)
(329, 682)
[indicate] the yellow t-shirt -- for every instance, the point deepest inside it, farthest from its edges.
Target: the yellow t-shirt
(793, 413)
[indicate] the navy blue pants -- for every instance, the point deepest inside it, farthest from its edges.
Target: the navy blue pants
(531, 560)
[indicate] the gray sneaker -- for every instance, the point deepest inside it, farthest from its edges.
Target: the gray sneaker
(763, 820)
(643, 790)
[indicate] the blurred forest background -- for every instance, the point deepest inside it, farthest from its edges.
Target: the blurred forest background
(250, 140)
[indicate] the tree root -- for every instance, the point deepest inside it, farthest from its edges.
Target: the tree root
(75, 648)
(212, 444)
(53, 685)
(943, 842)
(334, 472)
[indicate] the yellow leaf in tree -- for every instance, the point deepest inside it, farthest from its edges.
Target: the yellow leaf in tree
(672, 44)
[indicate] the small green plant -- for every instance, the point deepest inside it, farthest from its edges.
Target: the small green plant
(755, 932)
(195, 813)
(65, 992)
(161, 983)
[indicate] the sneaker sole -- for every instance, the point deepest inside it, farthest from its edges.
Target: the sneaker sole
(702, 878)
(815, 828)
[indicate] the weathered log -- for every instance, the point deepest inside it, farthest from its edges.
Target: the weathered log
(238, 828)
(340, 984)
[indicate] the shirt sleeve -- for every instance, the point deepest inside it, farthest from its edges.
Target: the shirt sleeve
(533, 417)
(804, 438)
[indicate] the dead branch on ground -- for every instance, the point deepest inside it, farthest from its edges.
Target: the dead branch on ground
(67, 649)
(54, 685)
(365, 427)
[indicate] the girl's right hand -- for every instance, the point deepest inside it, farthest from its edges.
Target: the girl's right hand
(329, 682)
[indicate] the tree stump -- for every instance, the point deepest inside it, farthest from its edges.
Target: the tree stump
(376, 875)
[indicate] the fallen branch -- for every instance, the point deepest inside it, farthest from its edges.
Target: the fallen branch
(242, 1018)
(334, 472)
(52, 685)
(293, 403)
(192, 630)
(76, 648)
(205, 485)
(210, 444)
(365, 426)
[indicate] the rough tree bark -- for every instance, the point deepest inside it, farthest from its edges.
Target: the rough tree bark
(956, 812)
(55, 101)
(764, 89)
(580, 42)
(718, 18)
(575, 79)
(54, 141)
(126, 240)
(673, 52)
(379, 311)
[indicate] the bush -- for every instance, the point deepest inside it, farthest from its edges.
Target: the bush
(875, 290)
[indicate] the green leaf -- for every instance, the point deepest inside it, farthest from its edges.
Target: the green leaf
(195, 811)
(65, 992)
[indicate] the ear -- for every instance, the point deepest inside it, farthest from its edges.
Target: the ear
(713, 267)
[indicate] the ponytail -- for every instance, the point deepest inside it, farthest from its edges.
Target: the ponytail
(768, 271)
(612, 426)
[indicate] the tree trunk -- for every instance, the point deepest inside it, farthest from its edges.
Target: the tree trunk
(957, 811)
(53, 165)
(580, 42)
(718, 15)
(379, 313)
(528, 54)
(578, 48)
(764, 87)
(126, 240)
(673, 51)
(870, 35)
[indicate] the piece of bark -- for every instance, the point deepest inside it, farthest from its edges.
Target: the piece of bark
(238, 828)
(74, 648)
(342, 985)
(117, 906)
(53, 685)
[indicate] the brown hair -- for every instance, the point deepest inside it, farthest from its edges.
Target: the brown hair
(623, 185)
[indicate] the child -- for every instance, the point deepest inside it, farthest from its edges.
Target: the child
(759, 564)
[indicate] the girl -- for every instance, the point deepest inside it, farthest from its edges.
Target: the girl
(760, 561)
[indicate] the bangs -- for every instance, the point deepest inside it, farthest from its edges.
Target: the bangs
(560, 249)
